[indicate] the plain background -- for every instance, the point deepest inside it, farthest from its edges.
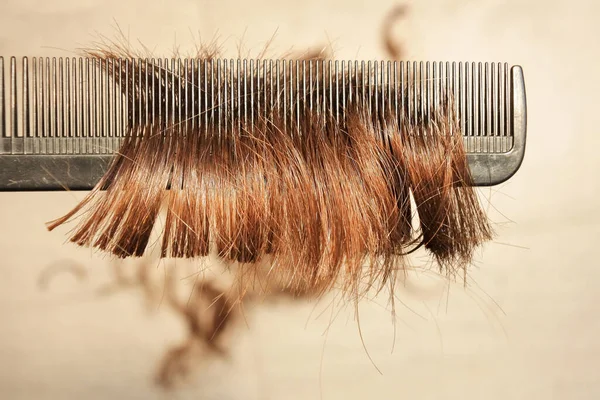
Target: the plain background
(527, 325)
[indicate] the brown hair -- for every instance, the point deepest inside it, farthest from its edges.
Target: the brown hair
(261, 166)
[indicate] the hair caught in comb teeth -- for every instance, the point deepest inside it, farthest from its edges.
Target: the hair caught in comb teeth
(309, 163)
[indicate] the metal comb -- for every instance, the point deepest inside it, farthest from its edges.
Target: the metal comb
(62, 119)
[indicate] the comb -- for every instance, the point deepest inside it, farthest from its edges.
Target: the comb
(62, 119)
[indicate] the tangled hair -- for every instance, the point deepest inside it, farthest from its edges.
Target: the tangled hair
(264, 165)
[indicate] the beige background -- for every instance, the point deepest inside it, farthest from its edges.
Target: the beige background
(526, 327)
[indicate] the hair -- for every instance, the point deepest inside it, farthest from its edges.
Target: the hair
(322, 191)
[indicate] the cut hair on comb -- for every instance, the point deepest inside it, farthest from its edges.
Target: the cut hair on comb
(310, 163)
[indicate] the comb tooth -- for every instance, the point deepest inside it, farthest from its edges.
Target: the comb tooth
(427, 90)
(192, 95)
(507, 144)
(277, 89)
(167, 96)
(76, 105)
(482, 70)
(475, 99)
(26, 114)
(303, 92)
(130, 93)
(407, 88)
(502, 104)
(117, 102)
(494, 105)
(101, 132)
(245, 98)
(34, 105)
(351, 80)
(212, 93)
(375, 92)
(414, 79)
(226, 77)
(422, 95)
(440, 84)
(487, 131)
(337, 92)
(475, 104)
(69, 69)
(409, 92)
(292, 82)
(3, 133)
(199, 98)
(293, 67)
(238, 95)
(384, 86)
(80, 111)
(343, 74)
(469, 103)
(39, 73)
(46, 97)
(222, 114)
(232, 93)
(45, 86)
(235, 94)
(435, 93)
(125, 106)
(323, 92)
(179, 81)
(258, 90)
(281, 89)
(265, 90)
(398, 92)
(146, 92)
(251, 74)
(369, 85)
(107, 106)
(286, 76)
(54, 107)
(451, 90)
(460, 88)
(100, 107)
(362, 84)
(297, 120)
(173, 83)
(87, 99)
(205, 78)
(330, 87)
(107, 132)
(402, 113)
(186, 94)
(310, 85)
(119, 111)
(13, 104)
(452, 93)
(199, 91)
(84, 83)
(386, 102)
(157, 83)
